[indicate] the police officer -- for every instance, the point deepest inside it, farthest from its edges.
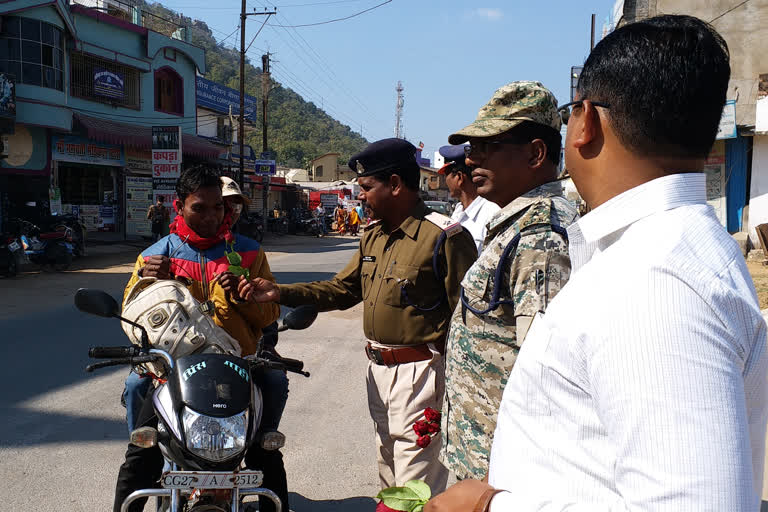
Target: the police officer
(513, 150)
(406, 272)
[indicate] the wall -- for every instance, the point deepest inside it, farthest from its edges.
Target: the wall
(758, 202)
(330, 163)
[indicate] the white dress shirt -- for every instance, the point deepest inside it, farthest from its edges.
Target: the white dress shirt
(475, 218)
(643, 387)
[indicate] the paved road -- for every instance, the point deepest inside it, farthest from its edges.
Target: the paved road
(63, 434)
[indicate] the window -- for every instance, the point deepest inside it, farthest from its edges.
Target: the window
(319, 171)
(169, 92)
(32, 51)
(97, 79)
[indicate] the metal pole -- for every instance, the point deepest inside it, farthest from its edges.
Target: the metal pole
(241, 128)
(592, 38)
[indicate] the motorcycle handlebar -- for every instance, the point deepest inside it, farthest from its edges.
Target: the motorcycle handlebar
(112, 352)
(122, 361)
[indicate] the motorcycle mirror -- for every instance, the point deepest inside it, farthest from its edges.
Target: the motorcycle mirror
(96, 302)
(300, 318)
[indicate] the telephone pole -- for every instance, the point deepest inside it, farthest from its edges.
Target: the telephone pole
(241, 129)
(399, 132)
(265, 86)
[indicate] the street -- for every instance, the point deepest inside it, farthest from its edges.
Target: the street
(63, 433)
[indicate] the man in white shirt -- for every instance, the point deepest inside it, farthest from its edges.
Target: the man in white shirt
(644, 385)
(472, 211)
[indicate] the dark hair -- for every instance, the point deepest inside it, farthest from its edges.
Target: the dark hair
(665, 80)
(408, 172)
(530, 131)
(459, 168)
(195, 178)
(161, 199)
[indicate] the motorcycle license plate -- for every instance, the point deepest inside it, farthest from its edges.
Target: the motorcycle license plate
(14, 246)
(210, 480)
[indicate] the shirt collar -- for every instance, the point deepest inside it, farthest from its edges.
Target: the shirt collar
(550, 189)
(473, 210)
(655, 196)
(410, 226)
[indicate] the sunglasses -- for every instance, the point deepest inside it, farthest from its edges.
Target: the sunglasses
(566, 110)
(481, 147)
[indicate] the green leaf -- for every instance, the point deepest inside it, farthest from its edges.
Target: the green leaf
(400, 498)
(238, 270)
(419, 508)
(234, 258)
(421, 489)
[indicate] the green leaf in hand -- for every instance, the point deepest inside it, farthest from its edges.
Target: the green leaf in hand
(234, 258)
(421, 489)
(239, 271)
(400, 498)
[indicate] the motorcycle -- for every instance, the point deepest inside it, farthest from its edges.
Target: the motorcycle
(11, 253)
(208, 411)
(77, 231)
(47, 248)
(252, 226)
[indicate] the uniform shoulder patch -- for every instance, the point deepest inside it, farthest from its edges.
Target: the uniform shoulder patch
(445, 223)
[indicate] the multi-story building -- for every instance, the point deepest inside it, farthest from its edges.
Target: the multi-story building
(91, 81)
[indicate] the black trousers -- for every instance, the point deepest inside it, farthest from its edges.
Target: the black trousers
(144, 466)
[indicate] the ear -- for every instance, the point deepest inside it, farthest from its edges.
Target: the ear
(179, 205)
(586, 124)
(396, 182)
(538, 153)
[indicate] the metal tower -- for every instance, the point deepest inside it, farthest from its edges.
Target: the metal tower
(399, 132)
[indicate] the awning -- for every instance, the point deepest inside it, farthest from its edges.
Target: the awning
(113, 132)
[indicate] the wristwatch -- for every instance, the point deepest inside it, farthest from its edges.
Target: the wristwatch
(484, 503)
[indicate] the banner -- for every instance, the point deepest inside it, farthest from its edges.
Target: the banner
(76, 149)
(166, 164)
(138, 199)
(7, 103)
(216, 97)
(108, 83)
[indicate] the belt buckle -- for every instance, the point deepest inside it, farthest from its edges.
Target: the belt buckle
(374, 355)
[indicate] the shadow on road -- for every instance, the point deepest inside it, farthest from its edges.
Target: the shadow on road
(301, 277)
(307, 244)
(301, 504)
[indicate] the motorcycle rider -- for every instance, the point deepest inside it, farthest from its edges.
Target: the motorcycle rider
(201, 232)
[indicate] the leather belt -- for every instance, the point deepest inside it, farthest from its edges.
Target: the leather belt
(398, 355)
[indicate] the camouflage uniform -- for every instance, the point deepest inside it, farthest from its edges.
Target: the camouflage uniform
(481, 349)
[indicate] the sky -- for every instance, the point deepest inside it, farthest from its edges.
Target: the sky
(449, 55)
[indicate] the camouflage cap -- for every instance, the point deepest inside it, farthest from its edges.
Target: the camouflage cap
(511, 105)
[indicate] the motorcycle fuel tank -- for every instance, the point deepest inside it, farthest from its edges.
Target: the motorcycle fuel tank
(212, 384)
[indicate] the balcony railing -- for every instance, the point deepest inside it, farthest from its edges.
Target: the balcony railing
(133, 13)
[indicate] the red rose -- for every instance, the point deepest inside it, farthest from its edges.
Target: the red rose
(381, 507)
(229, 237)
(423, 441)
(431, 414)
(434, 428)
(421, 428)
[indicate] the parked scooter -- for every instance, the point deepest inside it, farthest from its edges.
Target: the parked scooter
(52, 248)
(11, 254)
(208, 413)
(77, 229)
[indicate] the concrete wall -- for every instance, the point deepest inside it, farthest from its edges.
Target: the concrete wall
(330, 164)
(758, 203)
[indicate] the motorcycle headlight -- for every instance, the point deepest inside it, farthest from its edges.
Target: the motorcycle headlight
(215, 439)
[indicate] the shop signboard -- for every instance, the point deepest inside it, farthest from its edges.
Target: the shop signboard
(7, 102)
(266, 167)
(138, 161)
(218, 98)
(329, 202)
(108, 84)
(727, 128)
(138, 199)
(714, 168)
(166, 164)
(71, 148)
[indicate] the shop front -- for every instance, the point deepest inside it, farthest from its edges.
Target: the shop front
(88, 179)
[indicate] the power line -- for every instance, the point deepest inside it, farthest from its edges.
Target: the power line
(334, 20)
(729, 10)
(321, 3)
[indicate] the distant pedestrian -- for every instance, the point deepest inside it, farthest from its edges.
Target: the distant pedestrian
(472, 211)
(354, 221)
(159, 217)
(235, 199)
(341, 220)
(319, 213)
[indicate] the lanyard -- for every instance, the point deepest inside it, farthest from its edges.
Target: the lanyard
(510, 249)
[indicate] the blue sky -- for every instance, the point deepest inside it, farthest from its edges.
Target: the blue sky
(449, 55)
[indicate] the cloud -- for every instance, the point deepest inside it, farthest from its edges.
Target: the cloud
(489, 13)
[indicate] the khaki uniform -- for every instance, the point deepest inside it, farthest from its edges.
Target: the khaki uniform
(481, 349)
(405, 303)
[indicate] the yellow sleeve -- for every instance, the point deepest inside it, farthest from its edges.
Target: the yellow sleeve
(260, 315)
(134, 276)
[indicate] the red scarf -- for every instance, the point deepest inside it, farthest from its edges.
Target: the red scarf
(184, 232)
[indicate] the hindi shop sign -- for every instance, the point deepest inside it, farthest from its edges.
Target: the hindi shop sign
(108, 84)
(218, 98)
(727, 128)
(166, 152)
(81, 150)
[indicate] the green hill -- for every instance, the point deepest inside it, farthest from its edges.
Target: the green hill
(297, 130)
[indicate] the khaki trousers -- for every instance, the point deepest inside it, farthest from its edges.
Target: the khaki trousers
(397, 397)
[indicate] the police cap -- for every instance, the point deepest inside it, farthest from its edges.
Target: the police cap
(386, 157)
(454, 159)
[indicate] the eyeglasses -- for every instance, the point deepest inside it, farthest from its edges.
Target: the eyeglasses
(480, 147)
(565, 110)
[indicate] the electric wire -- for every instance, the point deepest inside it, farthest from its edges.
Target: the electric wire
(729, 10)
(334, 20)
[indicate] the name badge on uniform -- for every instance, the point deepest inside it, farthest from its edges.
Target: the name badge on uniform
(369, 259)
